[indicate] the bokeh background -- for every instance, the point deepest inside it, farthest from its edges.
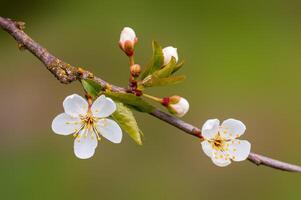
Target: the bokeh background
(242, 61)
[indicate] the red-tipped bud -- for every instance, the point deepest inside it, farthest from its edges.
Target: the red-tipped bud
(135, 70)
(127, 41)
(176, 105)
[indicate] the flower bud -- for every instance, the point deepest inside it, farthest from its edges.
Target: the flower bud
(128, 40)
(135, 70)
(169, 52)
(176, 105)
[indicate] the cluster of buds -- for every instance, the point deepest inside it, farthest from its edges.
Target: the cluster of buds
(176, 105)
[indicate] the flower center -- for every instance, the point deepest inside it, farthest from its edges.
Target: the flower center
(88, 121)
(218, 142)
(88, 126)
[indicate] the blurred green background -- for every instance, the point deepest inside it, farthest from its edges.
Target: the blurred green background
(242, 61)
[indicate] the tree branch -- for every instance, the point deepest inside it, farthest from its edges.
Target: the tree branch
(67, 73)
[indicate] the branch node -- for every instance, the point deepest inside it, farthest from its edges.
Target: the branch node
(21, 47)
(64, 72)
(197, 133)
(20, 25)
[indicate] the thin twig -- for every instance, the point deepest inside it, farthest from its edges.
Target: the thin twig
(67, 73)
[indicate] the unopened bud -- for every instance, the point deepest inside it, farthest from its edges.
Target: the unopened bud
(176, 105)
(127, 41)
(168, 53)
(135, 70)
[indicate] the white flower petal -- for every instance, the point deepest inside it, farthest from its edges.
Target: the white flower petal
(110, 130)
(103, 107)
(220, 158)
(85, 145)
(232, 128)
(210, 128)
(75, 105)
(207, 148)
(64, 124)
(239, 150)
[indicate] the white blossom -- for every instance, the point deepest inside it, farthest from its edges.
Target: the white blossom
(221, 143)
(87, 123)
(168, 53)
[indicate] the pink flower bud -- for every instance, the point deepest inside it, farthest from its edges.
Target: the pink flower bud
(128, 40)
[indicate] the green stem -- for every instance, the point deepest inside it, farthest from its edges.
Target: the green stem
(153, 98)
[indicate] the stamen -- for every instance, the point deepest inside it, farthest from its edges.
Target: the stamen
(86, 133)
(97, 133)
(88, 122)
(76, 133)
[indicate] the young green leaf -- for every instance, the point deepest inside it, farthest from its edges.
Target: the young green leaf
(177, 67)
(130, 99)
(92, 88)
(156, 61)
(167, 70)
(125, 118)
(152, 81)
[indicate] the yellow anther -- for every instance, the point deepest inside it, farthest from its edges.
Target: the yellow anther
(97, 136)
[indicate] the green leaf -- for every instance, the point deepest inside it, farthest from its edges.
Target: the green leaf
(125, 118)
(177, 67)
(156, 61)
(152, 81)
(130, 99)
(92, 88)
(167, 70)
